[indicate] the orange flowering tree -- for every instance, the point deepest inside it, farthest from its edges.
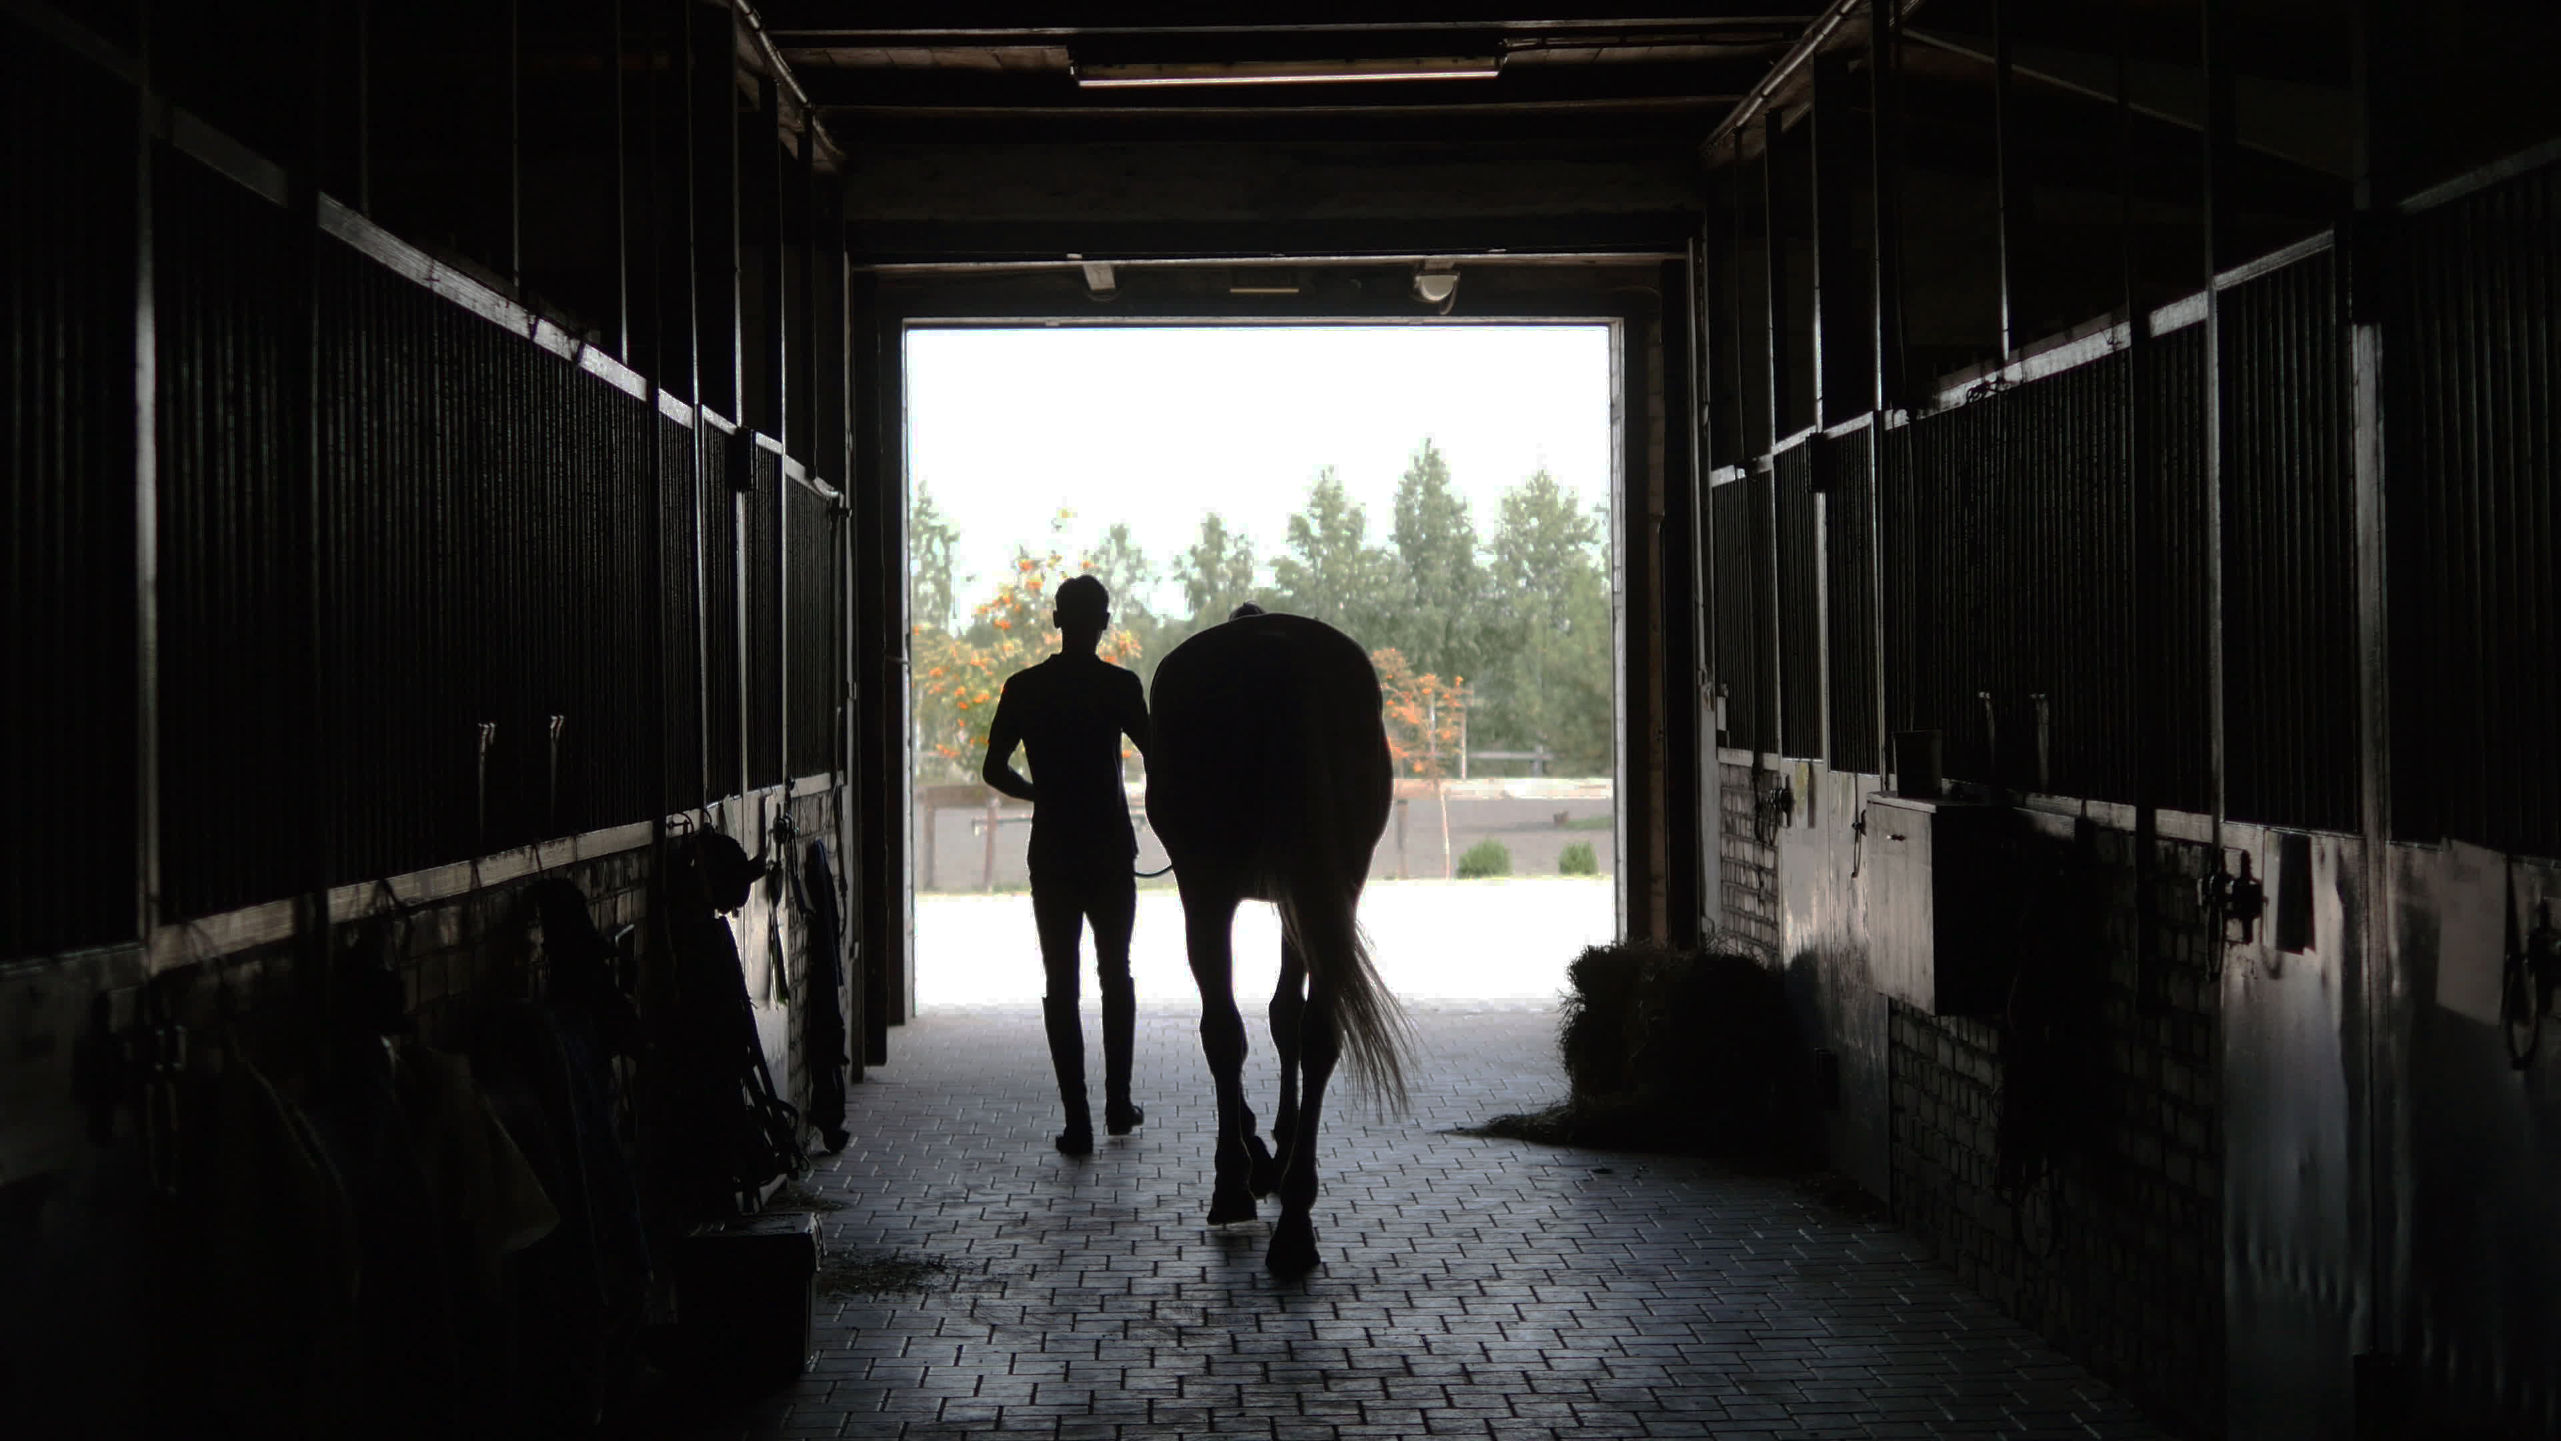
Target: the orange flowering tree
(957, 678)
(1426, 715)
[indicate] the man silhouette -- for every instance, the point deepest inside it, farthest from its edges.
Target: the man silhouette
(1068, 714)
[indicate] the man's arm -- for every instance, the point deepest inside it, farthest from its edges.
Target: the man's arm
(1134, 717)
(1004, 733)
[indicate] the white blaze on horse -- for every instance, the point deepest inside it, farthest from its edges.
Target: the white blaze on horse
(1269, 779)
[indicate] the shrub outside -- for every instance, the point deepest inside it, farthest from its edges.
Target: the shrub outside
(1483, 859)
(1578, 859)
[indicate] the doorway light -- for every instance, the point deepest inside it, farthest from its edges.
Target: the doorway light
(1283, 72)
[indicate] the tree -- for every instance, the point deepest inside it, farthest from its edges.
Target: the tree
(1553, 686)
(958, 677)
(933, 590)
(1442, 616)
(1217, 572)
(1130, 576)
(1426, 716)
(1127, 573)
(1330, 570)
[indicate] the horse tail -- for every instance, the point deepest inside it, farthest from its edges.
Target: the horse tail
(1377, 1038)
(1318, 897)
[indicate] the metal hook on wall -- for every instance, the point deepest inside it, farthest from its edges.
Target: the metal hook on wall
(551, 819)
(2044, 744)
(1991, 738)
(480, 835)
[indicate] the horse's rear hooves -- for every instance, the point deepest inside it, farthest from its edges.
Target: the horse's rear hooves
(1226, 1208)
(1293, 1248)
(1262, 1172)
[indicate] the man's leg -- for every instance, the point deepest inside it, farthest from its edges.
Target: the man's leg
(1114, 908)
(1059, 914)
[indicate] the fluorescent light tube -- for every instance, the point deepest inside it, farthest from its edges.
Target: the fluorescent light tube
(1282, 72)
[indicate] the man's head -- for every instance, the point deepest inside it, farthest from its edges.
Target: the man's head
(1084, 607)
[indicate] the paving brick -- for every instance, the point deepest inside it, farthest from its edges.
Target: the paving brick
(1473, 1287)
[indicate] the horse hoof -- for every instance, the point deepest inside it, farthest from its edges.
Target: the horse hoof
(1263, 1174)
(1293, 1248)
(1228, 1207)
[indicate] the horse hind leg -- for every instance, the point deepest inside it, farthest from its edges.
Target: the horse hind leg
(1207, 921)
(1293, 1248)
(1288, 1014)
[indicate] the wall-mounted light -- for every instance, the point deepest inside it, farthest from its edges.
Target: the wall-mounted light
(1284, 72)
(1437, 284)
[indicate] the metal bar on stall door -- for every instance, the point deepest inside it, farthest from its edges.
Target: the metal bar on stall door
(742, 613)
(698, 428)
(515, 147)
(804, 393)
(1884, 297)
(1707, 822)
(1738, 326)
(659, 480)
(2004, 178)
(769, 210)
(1884, 154)
(622, 200)
(2219, 155)
(303, 228)
(2384, 1085)
(1824, 167)
(1687, 746)
(146, 510)
(716, 140)
(1774, 267)
(1774, 307)
(1829, 79)
(2143, 533)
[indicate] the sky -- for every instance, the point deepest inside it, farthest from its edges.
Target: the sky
(1157, 426)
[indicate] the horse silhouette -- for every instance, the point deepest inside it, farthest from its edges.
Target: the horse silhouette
(1270, 780)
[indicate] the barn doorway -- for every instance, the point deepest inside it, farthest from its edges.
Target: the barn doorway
(1442, 493)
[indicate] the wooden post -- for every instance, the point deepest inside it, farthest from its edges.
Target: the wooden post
(933, 816)
(1449, 863)
(987, 863)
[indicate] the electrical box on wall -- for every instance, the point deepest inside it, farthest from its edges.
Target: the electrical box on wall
(1935, 930)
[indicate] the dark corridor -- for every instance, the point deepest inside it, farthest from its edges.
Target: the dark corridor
(2087, 621)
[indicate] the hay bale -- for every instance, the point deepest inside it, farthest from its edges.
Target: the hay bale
(1673, 1049)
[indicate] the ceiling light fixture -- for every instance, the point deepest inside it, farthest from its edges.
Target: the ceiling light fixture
(1262, 282)
(1284, 72)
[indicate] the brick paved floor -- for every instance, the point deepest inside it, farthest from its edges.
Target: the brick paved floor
(1472, 1287)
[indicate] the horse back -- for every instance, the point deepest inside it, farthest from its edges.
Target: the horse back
(1268, 745)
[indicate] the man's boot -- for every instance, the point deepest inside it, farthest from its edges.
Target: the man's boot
(1067, 1054)
(1120, 1025)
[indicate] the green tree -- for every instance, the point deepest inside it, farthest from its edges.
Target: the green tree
(1330, 570)
(958, 676)
(933, 587)
(1130, 576)
(1217, 572)
(1442, 615)
(1552, 599)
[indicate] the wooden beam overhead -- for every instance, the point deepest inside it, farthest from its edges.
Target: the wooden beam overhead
(840, 18)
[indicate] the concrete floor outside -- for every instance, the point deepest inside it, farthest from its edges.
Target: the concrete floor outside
(980, 1284)
(1507, 940)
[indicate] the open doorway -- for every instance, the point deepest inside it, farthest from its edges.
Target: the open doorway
(1441, 493)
